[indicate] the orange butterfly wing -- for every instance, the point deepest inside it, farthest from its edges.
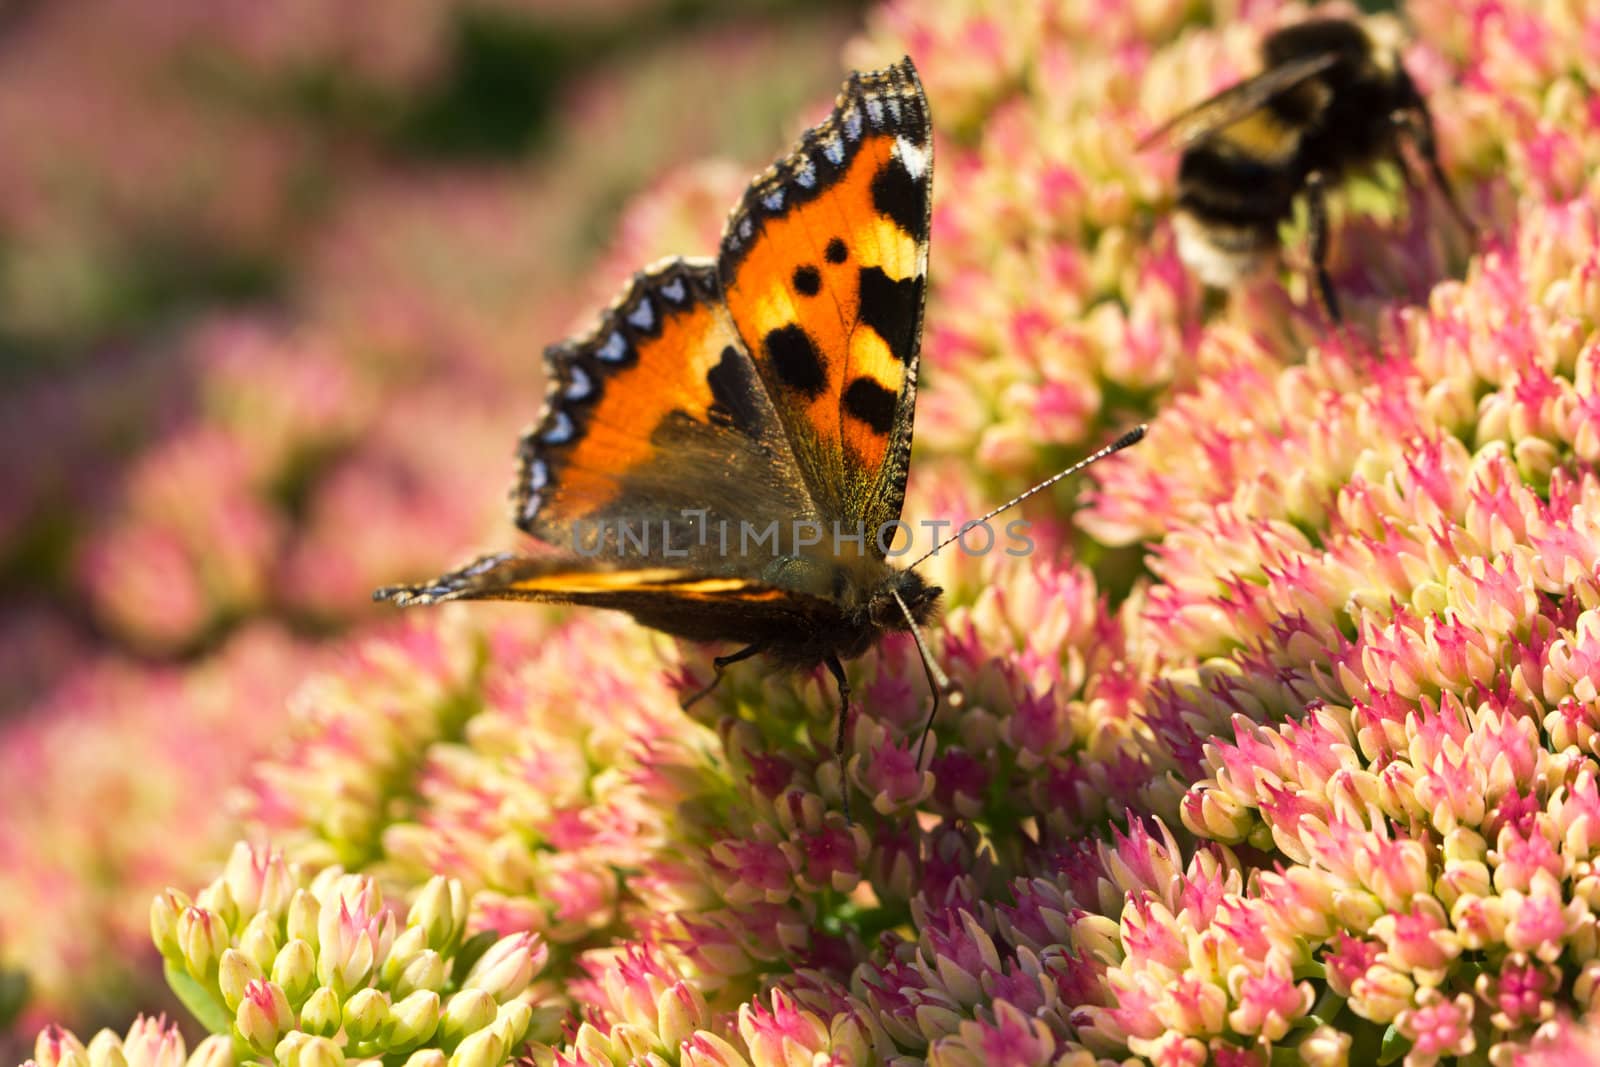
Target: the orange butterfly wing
(656, 412)
(823, 268)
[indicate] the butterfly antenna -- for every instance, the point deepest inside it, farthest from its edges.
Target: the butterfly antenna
(1132, 437)
(938, 681)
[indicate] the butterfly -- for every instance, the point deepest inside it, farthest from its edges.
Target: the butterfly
(723, 456)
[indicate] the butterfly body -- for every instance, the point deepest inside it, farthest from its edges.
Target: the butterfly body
(724, 455)
(801, 610)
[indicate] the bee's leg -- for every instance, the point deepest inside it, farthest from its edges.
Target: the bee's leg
(837, 670)
(1317, 205)
(1401, 120)
(720, 664)
(1418, 125)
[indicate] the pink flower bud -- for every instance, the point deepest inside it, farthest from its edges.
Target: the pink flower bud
(709, 1050)
(263, 1016)
(57, 1047)
(1438, 1027)
(777, 1036)
(509, 965)
(258, 881)
(202, 937)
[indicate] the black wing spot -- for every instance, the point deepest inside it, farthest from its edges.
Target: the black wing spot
(836, 251)
(891, 308)
(896, 194)
(872, 404)
(732, 388)
(796, 360)
(807, 280)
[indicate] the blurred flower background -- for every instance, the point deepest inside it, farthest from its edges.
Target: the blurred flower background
(1282, 747)
(274, 284)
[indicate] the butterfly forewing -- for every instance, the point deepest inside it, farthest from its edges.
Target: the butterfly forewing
(656, 423)
(823, 267)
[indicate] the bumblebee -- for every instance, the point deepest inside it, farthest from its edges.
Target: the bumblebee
(1332, 97)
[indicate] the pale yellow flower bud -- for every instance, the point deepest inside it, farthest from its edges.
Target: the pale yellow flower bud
(467, 1012)
(105, 1050)
(259, 940)
(441, 911)
(413, 1020)
(322, 1014)
(236, 971)
(303, 913)
(482, 1049)
(214, 1051)
(365, 1014)
(295, 969)
(1325, 1046)
(165, 910)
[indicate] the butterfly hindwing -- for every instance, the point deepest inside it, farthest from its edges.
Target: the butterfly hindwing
(684, 601)
(823, 268)
(656, 417)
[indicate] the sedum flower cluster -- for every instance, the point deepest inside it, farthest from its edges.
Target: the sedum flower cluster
(317, 969)
(1283, 746)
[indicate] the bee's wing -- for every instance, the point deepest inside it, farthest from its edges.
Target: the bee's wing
(1237, 101)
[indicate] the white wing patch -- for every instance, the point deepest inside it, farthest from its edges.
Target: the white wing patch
(912, 157)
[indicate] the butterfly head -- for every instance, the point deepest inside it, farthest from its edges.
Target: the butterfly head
(908, 588)
(891, 601)
(903, 600)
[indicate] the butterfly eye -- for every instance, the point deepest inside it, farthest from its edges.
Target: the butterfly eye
(885, 613)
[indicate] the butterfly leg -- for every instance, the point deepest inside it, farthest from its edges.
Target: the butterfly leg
(1317, 203)
(718, 665)
(837, 670)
